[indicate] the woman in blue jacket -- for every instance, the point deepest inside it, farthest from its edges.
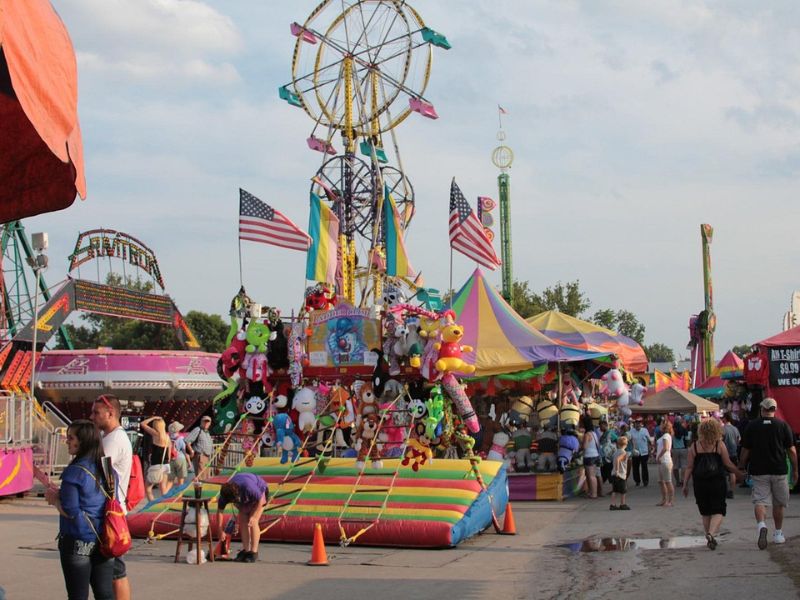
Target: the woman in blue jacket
(81, 504)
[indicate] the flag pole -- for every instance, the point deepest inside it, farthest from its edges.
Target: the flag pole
(241, 279)
(450, 290)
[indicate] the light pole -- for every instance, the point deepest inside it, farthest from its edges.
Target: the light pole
(38, 263)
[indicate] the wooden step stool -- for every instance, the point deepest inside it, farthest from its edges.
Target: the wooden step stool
(195, 540)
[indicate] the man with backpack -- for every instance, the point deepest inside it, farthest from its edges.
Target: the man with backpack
(106, 412)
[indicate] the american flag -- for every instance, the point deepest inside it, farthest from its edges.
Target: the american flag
(466, 232)
(259, 222)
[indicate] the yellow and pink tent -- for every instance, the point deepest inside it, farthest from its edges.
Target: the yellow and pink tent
(503, 341)
(575, 333)
(729, 367)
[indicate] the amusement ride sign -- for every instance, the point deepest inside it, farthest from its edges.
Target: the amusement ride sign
(784, 366)
(100, 243)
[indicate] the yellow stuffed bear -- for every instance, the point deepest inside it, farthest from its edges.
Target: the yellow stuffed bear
(450, 350)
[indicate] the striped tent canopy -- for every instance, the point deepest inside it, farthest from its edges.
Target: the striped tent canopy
(575, 333)
(503, 341)
(730, 367)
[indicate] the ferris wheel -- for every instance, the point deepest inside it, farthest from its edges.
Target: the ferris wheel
(359, 69)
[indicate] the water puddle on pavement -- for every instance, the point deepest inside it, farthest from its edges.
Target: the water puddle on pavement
(612, 544)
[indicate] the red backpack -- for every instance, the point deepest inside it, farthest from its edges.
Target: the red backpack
(114, 535)
(135, 491)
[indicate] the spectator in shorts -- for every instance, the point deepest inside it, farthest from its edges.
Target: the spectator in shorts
(248, 493)
(766, 443)
(680, 449)
(106, 412)
(158, 471)
(664, 462)
(591, 457)
(619, 476)
(200, 445)
(179, 464)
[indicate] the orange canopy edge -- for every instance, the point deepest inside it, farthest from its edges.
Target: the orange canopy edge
(41, 152)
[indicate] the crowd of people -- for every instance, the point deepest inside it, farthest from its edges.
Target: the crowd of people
(102, 458)
(707, 454)
(710, 453)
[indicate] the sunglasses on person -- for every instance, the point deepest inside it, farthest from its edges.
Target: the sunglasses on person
(104, 399)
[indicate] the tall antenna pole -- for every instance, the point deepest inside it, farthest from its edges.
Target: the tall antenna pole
(502, 157)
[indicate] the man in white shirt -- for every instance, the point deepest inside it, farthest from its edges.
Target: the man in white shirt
(106, 412)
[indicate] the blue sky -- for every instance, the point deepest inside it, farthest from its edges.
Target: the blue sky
(632, 123)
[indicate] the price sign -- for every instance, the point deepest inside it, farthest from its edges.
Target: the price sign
(784, 366)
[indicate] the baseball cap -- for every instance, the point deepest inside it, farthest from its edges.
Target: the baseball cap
(769, 404)
(205, 418)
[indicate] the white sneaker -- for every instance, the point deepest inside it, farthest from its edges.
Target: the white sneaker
(778, 538)
(762, 538)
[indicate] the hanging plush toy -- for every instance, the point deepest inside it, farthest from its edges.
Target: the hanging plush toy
(568, 445)
(429, 332)
(637, 393)
(319, 297)
(305, 403)
(547, 411)
(285, 437)
(414, 345)
(392, 328)
(617, 389)
(569, 415)
(226, 413)
(367, 443)
(395, 422)
(455, 391)
(418, 451)
(435, 413)
(258, 335)
(499, 443)
(449, 357)
(297, 353)
(381, 374)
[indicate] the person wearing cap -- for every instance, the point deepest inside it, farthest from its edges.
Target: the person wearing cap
(179, 463)
(766, 443)
(200, 445)
(248, 492)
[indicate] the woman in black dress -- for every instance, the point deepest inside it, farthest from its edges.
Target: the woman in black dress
(707, 463)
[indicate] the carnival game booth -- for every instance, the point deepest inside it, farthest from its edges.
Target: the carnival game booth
(438, 505)
(774, 367)
(508, 348)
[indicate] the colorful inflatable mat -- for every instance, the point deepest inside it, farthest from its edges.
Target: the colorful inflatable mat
(437, 506)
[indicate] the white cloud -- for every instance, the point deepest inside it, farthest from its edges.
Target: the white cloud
(632, 123)
(152, 39)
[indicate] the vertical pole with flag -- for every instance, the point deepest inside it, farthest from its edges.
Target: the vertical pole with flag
(323, 227)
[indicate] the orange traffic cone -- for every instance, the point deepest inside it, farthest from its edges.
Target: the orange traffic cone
(319, 557)
(509, 527)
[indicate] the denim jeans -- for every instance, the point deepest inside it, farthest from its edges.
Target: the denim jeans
(83, 565)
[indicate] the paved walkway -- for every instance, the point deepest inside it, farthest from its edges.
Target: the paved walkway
(537, 563)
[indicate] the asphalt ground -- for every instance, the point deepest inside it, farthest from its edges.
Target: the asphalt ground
(562, 550)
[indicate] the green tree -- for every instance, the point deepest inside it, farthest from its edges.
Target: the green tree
(658, 352)
(741, 350)
(563, 297)
(622, 321)
(211, 330)
(524, 302)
